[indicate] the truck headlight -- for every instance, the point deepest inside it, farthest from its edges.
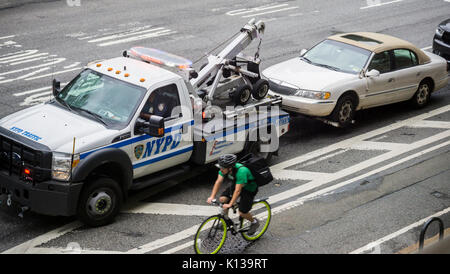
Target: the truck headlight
(62, 165)
(319, 95)
(439, 31)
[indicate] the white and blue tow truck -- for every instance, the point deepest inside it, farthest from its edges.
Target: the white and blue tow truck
(125, 123)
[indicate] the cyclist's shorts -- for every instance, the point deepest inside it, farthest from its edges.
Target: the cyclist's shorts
(246, 198)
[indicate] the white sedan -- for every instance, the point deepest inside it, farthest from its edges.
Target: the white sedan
(353, 71)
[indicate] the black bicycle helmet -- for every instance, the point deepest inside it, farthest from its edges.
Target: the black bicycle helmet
(226, 161)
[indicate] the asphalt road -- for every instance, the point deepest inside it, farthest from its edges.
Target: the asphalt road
(363, 202)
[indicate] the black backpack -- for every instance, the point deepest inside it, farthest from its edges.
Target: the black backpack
(258, 167)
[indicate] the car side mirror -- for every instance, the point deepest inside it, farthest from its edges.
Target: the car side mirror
(156, 126)
(373, 73)
(56, 87)
(303, 51)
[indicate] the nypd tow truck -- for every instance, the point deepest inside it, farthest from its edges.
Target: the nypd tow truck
(146, 115)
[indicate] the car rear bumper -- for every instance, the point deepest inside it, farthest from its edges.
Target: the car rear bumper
(442, 49)
(305, 106)
(49, 198)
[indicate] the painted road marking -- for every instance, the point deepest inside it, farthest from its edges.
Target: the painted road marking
(378, 242)
(261, 10)
(378, 3)
(104, 39)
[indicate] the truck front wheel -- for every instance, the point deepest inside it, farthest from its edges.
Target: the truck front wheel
(100, 202)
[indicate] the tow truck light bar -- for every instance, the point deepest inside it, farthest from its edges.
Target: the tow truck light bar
(160, 57)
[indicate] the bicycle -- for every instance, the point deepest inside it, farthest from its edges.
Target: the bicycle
(212, 233)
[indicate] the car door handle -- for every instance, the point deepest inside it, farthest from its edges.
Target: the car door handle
(391, 80)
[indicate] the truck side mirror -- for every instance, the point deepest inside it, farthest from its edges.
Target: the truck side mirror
(156, 126)
(56, 87)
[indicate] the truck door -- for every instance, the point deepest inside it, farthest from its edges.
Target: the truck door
(153, 154)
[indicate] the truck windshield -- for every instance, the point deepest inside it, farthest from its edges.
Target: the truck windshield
(338, 56)
(106, 99)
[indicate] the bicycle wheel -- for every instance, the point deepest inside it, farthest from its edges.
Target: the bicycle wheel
(262, 211)
(210, 236)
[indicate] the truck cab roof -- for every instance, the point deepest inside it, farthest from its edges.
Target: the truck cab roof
(134, 71)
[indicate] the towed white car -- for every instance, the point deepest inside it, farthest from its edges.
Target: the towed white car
(353, 71)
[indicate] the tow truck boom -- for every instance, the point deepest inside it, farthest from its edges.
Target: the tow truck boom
(217, 63)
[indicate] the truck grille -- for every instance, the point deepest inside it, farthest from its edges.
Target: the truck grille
(15, 155)
(280, 89)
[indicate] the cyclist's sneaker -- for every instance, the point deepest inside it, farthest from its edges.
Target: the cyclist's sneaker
(253, 227)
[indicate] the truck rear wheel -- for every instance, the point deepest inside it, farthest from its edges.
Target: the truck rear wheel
(100, 202)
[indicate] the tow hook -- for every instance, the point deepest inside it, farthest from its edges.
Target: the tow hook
(21, 210)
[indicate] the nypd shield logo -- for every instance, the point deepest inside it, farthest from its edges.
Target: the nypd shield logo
(138, 150)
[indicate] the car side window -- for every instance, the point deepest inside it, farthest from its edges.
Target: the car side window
(404, 58)
(164, 102)
(381, 62)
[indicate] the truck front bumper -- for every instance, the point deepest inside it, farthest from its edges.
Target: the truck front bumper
(49, 198)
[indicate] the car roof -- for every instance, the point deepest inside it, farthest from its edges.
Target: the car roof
(133, 71)
(377, 42)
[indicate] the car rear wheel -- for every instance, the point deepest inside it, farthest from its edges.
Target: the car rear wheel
(344, 112)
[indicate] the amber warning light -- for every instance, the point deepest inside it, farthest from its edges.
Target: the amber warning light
(160, 57)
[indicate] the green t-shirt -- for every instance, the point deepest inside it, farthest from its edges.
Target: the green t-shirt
(243, 176)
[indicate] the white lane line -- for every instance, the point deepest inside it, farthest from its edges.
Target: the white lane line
(54, 62)
(72, 65)
(372, 145)
(378, 242)
(32, 73)
(36, 90)
(122, 35)
(53, 73)
(431, 124)
(426, 48)
(29, 245)
(257, 9)
(140, 37)
(379, 4)
(24, 57)
(172, 209)
(267, 12)
(31, 60)
(18, 54)
(288, 174)
(7, 37)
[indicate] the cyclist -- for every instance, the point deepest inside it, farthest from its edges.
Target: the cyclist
(242, 184)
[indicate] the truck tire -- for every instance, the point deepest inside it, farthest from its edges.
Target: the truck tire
(242, 94)
(260, 89)
(100, 202)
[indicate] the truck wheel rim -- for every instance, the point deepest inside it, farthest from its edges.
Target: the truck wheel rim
(99, 203)
(245, 95)
(346, 111)
(423, 94)
(263, 91)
